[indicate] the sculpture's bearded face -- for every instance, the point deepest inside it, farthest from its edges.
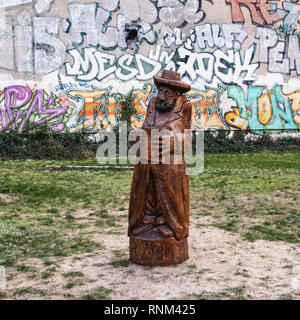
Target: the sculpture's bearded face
(166, 99)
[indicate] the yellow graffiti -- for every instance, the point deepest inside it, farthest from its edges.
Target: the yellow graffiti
(264, 111)
(235, 120)
(206, 108)
(102, 110)
(98, 109)
(294, 99)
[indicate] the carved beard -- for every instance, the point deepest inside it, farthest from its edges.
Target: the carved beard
(164, 105)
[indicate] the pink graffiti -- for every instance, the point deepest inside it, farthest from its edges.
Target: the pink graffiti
(15, 98)
(21, 103)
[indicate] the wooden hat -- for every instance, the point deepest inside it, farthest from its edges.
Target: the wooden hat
(171, 79)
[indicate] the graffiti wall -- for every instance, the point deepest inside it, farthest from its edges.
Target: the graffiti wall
(68, 64)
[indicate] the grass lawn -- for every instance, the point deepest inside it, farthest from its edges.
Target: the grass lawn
(49, 216)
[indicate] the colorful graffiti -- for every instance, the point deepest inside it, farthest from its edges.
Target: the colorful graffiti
(21, 106)
(266, 12)
(94, 47)
(262, 12)
(261, 111)
(101, 108)
(36, 47)
(258, 110)
(207, 113)
(275, 111)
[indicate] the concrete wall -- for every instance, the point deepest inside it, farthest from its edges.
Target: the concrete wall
(68, 63)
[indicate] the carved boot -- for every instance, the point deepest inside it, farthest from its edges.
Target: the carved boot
(165, 230)
(141, 229)
(147, 225)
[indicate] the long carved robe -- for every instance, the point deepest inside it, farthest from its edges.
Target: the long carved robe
(169, 181)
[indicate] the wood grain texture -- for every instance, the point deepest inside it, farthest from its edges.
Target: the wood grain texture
(159, 200)
(151, 249)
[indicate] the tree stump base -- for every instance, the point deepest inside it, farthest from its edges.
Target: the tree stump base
(152, 249)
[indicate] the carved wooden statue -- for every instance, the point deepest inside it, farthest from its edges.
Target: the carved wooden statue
(159, 201)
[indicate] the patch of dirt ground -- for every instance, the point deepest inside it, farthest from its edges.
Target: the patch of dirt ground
(6, 198)
(220, 264)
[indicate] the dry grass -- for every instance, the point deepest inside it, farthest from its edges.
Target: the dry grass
(64, 234)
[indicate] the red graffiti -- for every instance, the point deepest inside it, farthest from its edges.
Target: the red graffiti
(261, 12)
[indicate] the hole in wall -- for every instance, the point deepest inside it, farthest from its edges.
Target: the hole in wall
(132, 34)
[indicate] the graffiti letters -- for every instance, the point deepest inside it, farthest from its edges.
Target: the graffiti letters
(259, 111)
(209, 35)
(49, 50)
(272, 51)
(227, 66)
(21, 106)
(100, 108)
(224, 57)
(265, 12)
(4, 4)
(42, 6)
(261, 11)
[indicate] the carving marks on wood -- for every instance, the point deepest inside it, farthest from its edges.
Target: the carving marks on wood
(150, 250)
(158, 252)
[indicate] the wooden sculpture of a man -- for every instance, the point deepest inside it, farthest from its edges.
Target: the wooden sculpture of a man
(159, 201)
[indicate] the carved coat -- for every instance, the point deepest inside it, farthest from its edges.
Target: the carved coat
(171, 181)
